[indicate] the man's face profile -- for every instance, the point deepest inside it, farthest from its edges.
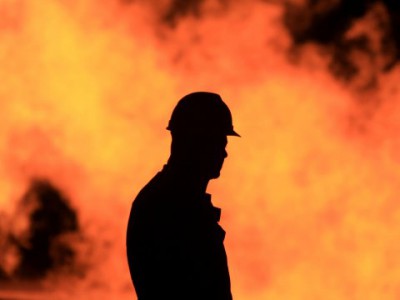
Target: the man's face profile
(204, 154)
(210, 154)
(216, 155)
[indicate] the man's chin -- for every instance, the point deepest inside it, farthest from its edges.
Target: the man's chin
(215, 175)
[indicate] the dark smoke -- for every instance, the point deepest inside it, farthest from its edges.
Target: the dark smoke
(42, 246)
(327, 24)
(181, 8)
(361, 56)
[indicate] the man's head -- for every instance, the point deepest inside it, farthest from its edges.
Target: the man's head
(200, 124)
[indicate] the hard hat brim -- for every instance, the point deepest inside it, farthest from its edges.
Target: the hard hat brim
(233, 133)
(229, 133)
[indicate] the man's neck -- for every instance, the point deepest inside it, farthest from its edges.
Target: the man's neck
(192, 180)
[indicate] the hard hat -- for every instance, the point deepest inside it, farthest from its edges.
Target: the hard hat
(201, 112)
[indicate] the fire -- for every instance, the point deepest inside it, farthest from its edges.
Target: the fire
(309, 193)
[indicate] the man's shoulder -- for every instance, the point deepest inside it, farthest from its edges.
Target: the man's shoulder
(158, 203)
(151, 190)
(156, 193)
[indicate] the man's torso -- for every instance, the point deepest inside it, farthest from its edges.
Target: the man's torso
(175, 244)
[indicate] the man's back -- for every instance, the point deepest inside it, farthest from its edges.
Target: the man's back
(174, 243)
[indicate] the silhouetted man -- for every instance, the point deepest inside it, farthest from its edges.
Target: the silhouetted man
(174, 242)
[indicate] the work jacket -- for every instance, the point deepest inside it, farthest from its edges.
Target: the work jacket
(175, 244)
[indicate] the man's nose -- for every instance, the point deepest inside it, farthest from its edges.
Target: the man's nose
(225, 153)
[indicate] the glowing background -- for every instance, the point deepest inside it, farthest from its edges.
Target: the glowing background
(309, 193)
